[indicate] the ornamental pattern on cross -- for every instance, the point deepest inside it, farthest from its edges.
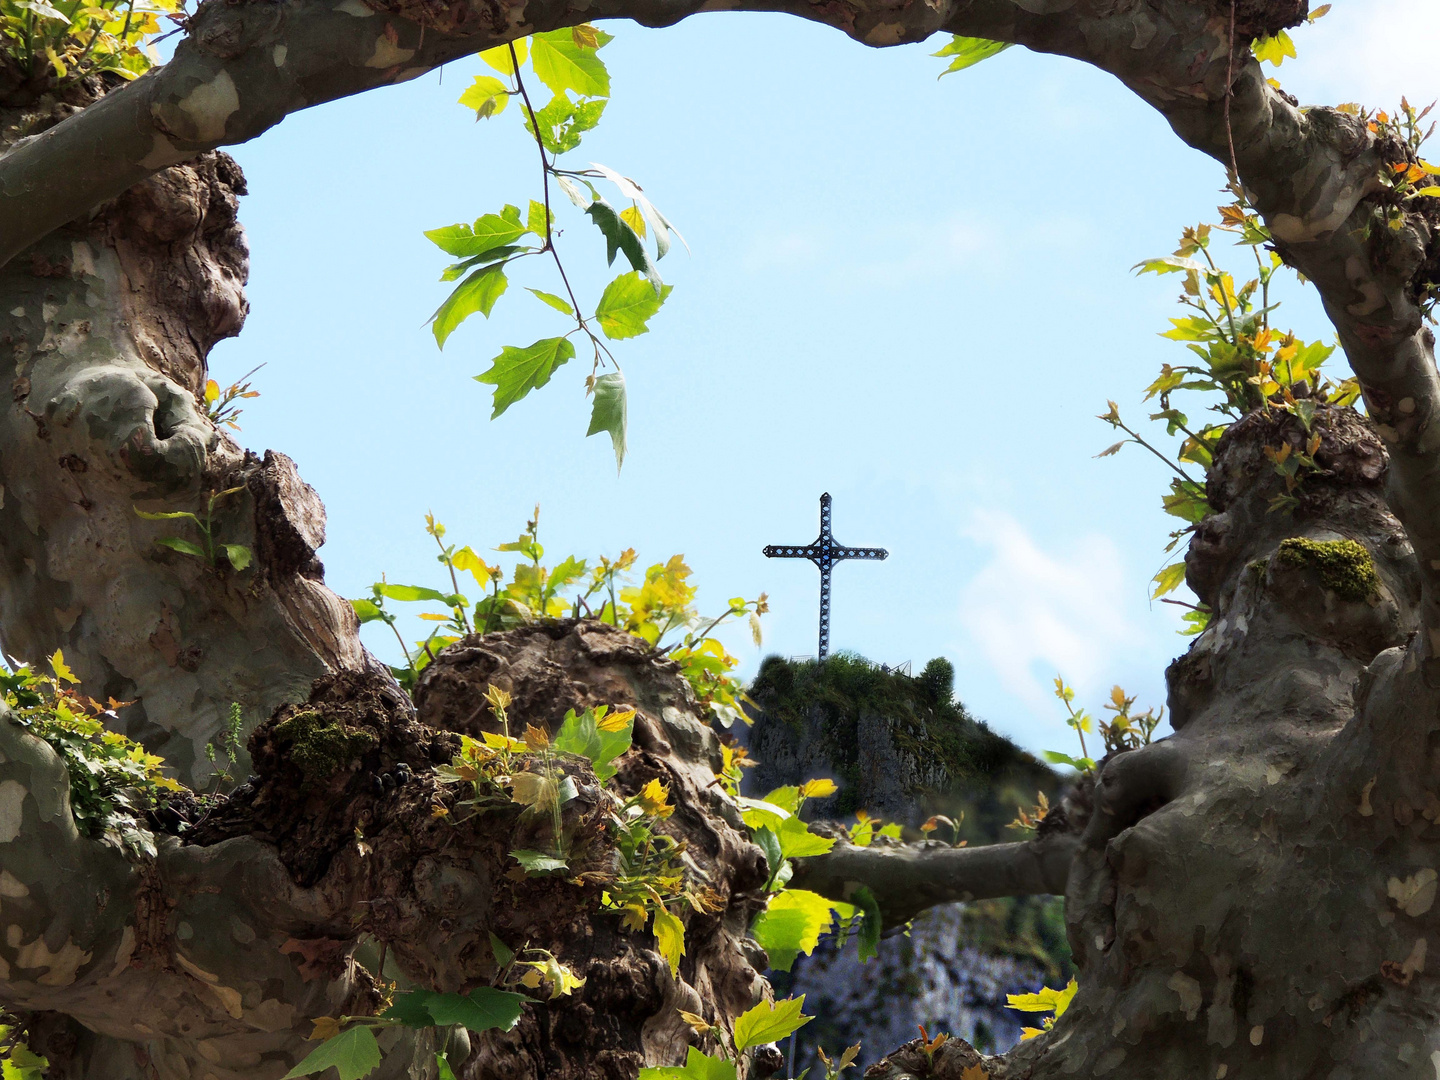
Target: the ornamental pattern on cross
(824, 553)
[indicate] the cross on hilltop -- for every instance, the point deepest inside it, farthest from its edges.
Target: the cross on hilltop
(824, 553)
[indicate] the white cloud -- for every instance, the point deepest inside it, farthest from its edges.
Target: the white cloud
(1372, 52)
(1033, 613)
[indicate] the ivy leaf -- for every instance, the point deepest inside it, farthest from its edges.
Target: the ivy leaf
(487, 95)
(609, 413)
(670, 934)
(558, 303)
(620, 237)
(354, 1053)
(483, 1009)
(767, 1023)
(562, 64)
(969, 51)
(792, 924)
(627, 304)
(515, 372)
(499, 57)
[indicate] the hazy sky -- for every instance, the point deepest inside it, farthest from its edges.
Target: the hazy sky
(915, 295)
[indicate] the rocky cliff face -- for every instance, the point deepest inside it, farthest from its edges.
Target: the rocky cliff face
(902, 748)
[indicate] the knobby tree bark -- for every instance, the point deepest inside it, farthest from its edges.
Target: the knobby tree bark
(1250, 896)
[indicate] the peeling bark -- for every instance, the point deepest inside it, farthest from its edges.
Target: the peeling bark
(1253, 896)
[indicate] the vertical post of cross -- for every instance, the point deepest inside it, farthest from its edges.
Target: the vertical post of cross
(824, 553)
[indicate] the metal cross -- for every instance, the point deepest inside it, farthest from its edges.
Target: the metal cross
(824, 553)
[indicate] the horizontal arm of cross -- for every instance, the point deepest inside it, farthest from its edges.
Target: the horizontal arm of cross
(811, 551)
(858, 553)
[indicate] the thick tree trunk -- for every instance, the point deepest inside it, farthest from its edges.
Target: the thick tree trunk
(1252, 896)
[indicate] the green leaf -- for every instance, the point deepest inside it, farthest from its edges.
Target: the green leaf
(1167, 264)
(620, 237)
(185, 547)
(569, 570)
(792, 924)
(411, 1009)
(609, 413)
(409, 592)
(627, 304)
(168, 516)
(780, 870)
(537, 862)
(503, 953)
(22, 1063)
(238, 554)
(494, 255)
(698, 1066)
(499, 57)
(442, 1068)
(563, 65)
(537, 219)
(767, 1023)
(478, 292)
(871, 925)
(797, 841)
(659, 224)
(670, 934)
(787, 797)
(759, 814)
(581, 735)
(354, 1053)
(969, 51)
(483, 1009)
(562, 122)
(1168, 580)
(515, 372)
(366, 610)
(1055, 757)
(487, 95)
(489, 232)
(558, 303)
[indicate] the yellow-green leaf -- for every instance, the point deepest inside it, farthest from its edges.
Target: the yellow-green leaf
(499, 57)
(1168, 580)
(769, 1022)
(670, 934)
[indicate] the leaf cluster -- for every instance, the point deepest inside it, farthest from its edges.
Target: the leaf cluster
(209, 550)
(45, 46)
(113, 779)
(567, 63)
(655, 608)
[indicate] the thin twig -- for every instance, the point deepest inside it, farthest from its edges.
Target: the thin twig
(1229, 93)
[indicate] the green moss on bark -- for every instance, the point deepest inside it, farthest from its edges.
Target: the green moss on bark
(320, 746)
(1344, 566)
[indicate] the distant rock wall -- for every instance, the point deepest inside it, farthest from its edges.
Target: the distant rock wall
(902, 748)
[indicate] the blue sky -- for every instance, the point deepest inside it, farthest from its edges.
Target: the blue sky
(914, 294)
